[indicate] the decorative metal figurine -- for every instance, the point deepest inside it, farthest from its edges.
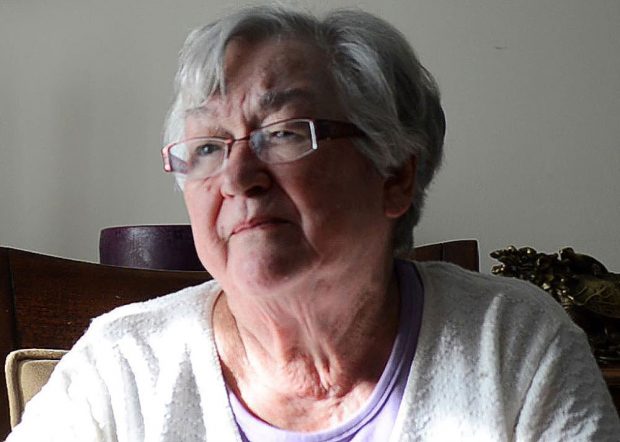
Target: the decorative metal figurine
(589, 293)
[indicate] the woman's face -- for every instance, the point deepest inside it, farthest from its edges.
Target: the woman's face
(261, 228)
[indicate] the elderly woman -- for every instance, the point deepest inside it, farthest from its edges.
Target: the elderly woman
(304, 148)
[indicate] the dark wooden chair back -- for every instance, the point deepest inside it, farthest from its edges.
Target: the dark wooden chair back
(463, 252)
(47, 302)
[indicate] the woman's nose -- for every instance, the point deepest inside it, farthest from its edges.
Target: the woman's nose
(244, 173)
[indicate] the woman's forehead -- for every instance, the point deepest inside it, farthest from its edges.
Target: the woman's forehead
(217, 113)
(302, 98)
(274, 64)
(264, 78)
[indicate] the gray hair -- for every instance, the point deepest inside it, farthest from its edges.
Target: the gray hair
(383, 87)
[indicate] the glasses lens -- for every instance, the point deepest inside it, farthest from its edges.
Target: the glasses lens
(283, 142)
(202, 156)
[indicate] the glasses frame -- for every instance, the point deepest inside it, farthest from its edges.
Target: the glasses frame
(320, 129)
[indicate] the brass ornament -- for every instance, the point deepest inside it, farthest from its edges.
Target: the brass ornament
(589, 293)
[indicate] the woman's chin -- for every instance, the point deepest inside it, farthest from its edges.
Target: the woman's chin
(264, 271)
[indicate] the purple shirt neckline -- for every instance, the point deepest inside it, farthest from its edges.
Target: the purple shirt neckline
(376, 418)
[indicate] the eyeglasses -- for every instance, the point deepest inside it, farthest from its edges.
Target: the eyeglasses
(277, 143)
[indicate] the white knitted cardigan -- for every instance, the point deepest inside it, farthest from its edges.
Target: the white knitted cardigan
(497, 360)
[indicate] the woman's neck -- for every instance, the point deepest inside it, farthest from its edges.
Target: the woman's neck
(325, 348)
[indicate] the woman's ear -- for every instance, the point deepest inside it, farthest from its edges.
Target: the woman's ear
(398, 189)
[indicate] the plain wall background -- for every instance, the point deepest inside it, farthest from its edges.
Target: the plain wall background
(531, 91)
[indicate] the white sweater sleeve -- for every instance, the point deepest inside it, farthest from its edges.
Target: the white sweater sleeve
(499, 360)
(567, 398)
(143, 372)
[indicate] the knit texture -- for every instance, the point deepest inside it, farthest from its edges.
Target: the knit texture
(497, 360)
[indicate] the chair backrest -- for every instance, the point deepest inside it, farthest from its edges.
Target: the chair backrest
(463, 252)
(47, 302)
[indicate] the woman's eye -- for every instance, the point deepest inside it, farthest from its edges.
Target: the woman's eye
(282, 134)
(207, 149)
(286, 136)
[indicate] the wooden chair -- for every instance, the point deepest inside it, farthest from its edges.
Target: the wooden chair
(463, 252)
(47, 302)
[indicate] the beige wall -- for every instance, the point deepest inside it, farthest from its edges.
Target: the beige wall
(531, 91)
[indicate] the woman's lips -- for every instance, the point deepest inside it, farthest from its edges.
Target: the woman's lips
(254, 223)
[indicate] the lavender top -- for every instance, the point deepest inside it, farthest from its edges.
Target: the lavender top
(375, 419)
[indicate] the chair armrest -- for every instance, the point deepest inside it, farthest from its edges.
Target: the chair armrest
(27, 370)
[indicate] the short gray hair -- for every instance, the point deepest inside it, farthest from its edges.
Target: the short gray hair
(383, 87)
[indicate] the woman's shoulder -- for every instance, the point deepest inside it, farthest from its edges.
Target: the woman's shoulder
(453, 291)
(142, 319)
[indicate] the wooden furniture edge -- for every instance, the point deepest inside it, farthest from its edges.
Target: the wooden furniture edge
(7, 331)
